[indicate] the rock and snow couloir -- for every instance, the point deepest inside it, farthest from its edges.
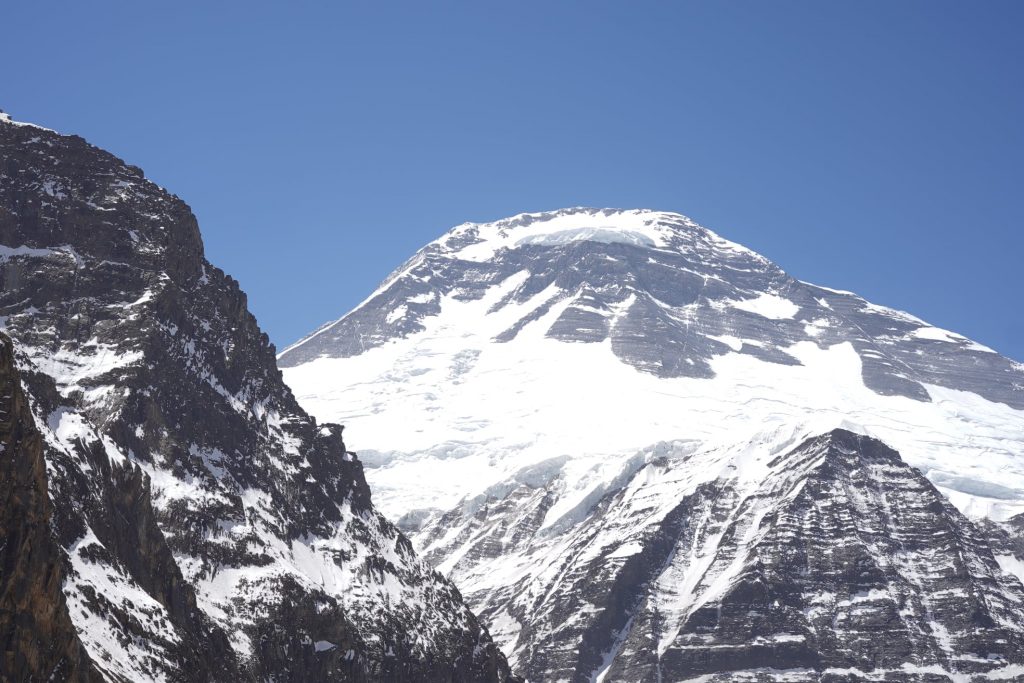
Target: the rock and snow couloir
(572, 413)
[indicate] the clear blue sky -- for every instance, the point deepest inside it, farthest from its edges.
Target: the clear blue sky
(870, 146)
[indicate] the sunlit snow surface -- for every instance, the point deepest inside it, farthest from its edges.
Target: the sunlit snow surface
(446, 413)
(434, 429)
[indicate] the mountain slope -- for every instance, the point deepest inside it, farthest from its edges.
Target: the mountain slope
(39, 641)
(513, 377)
(209, 529)
(600, 332)
(795, 554)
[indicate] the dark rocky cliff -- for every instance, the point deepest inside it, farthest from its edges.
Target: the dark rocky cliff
(39, 641)
(210, 529)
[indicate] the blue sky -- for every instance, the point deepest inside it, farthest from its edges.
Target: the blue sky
(876, 147)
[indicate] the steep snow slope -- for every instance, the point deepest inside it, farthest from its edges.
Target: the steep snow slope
(584, 334)
(512, 376)
(207, 528)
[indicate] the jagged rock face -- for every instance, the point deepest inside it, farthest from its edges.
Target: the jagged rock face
(513, 378)
(39, 641)
(841, 558)
(801, 556)
(211, 530)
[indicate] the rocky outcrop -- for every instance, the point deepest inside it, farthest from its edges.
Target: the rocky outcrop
(859, 567)
(211, 529)
(825, 558)
(39, 642)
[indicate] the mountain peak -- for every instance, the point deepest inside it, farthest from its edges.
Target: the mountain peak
(636, 227)
(584, 320)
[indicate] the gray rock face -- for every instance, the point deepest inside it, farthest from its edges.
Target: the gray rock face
(672, 302)
(208, 529)
(860, 564)
(830, 559)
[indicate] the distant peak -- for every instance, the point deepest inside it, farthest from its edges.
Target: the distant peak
(638, 227)
(621, 219)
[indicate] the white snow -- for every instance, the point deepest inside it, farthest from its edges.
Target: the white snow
(936, 333)
(397, 314)
(607, 235)
(640, 228)
(841, 292)
(817, 326)
(626, 550)
(734, 343)
(6, 118)
(893, 313)
(64, 251)
(69, 426)
(102, 636)
(768, 305)
(534, 398)
(8, 252)
(939, 334)
(1012, 566)
(73, 368)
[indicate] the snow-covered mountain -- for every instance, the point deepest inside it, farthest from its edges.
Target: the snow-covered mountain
(169, 512)
(613, 428)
